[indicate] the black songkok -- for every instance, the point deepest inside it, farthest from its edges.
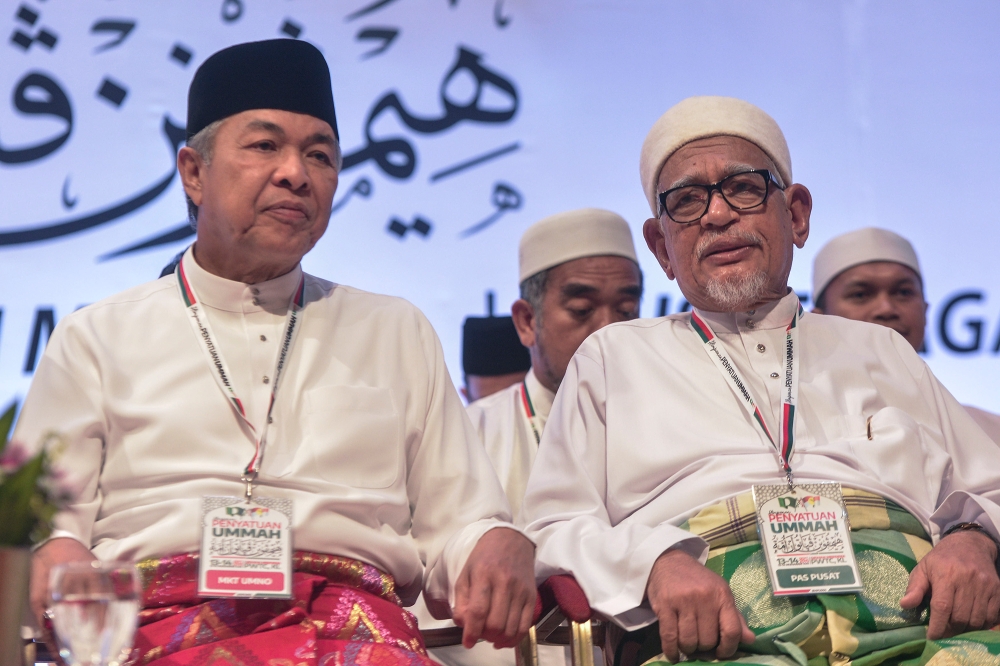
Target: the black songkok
(491, 347)
(283, 74)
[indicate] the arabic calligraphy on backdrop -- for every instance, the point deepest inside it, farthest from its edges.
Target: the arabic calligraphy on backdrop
(38, 94)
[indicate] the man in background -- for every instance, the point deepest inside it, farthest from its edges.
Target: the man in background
(873, 275)
(578, 273)
(493, 357)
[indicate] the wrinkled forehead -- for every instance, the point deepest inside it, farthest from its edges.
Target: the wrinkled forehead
(711, 159)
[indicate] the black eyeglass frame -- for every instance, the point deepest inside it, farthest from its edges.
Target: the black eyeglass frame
(717, 186)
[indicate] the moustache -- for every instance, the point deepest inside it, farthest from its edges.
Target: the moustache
(743, 235)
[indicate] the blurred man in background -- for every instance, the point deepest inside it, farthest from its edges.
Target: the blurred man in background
(874, 275)
(493, 357)
(578, 273)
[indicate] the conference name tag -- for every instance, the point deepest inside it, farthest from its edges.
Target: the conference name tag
(246, 548)
(806, 538)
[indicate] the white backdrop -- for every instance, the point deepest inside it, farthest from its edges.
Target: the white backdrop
(890, 110)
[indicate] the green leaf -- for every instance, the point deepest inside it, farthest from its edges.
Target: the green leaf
(16, 494)
(6, 421)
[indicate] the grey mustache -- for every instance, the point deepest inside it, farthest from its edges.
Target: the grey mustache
(737, 235)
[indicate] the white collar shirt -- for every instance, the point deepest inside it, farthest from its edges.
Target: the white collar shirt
(369, 437)
(645, 431)
(508, 431)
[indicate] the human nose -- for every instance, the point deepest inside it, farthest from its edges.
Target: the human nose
(884, 308)
(291, 171)
(719, 213)
(602, 317)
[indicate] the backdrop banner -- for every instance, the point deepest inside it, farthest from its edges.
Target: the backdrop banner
(464, 121)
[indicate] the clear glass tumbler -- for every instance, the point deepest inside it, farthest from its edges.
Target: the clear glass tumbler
(95, 608)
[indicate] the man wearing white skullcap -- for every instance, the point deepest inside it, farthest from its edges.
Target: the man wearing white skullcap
(675, 445)
(873, 275)
(578, 273)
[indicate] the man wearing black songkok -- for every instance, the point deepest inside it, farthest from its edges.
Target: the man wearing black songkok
(493, 357)
(239, 373)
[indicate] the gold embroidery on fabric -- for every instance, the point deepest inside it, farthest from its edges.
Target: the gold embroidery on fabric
(885, 582)
(222, 655)
(154, 654)
(752, 590)
(147, 571)
(218, 629)
(359, 627)
(968, 654)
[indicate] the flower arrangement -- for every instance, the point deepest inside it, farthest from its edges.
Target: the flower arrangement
(32, 489)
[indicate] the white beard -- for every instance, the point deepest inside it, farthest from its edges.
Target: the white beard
(738, 292)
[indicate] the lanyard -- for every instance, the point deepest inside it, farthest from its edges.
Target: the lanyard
(203, 331)
(529, 411)
(717, 352)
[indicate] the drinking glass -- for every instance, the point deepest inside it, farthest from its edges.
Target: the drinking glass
(95, 608)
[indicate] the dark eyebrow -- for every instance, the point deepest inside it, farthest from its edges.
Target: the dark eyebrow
(631, 290)
(576, 290)
(321, 137)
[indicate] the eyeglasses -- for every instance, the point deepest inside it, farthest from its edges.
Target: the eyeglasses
(742, 191)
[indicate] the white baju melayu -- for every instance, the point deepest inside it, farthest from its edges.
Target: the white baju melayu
(507, 429)
(369, 438)
(645, 431)
(508, 432)
(988, 421)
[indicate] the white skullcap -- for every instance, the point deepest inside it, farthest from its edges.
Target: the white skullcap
(860, 247)
(587, 232)
(702, 117)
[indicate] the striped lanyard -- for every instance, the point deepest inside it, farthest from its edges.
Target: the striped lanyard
(200, 325)
(529, 412)
(717, 352)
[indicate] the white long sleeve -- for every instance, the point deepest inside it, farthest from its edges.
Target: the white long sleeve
(645, 432)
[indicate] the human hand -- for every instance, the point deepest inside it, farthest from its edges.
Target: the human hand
(56, 551)
(961, 578)
(495, 593)
(695, 607)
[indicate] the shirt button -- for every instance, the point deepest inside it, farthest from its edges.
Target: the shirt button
(256, 301)
(255, 291)
(267, 380)
(751, 323)
(749, 312)
(774, 375)
(761, 348)
(263, 338)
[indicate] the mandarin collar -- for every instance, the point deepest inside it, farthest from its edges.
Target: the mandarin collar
(541, 397)
(217, 292)
(775, 314)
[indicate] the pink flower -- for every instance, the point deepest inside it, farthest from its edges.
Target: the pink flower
(59, 484)
(13, 457)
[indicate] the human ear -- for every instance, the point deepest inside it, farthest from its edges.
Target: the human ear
(190, 167)
(799, 202)
(524, 321)
(657, 243)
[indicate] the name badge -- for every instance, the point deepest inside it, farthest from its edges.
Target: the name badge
(246, 548)
(806, 538)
